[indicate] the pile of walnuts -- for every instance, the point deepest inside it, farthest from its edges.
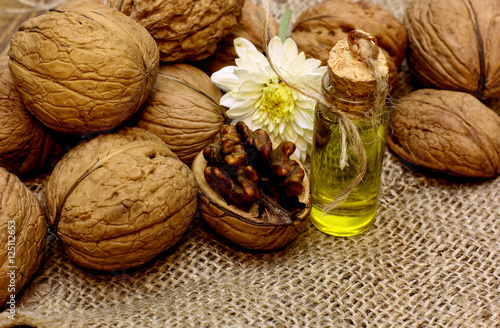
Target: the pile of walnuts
(445, 127)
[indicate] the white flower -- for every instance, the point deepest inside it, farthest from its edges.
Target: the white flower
(256, 95)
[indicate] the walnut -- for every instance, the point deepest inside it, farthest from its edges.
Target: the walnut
(184, 30)
(183, 110)
(453, 45)
(24, 232)
(321, 26)
(250, 27)
(120, 199)
(25, 144)
(83, 70)
(250, 193)
(448, 132)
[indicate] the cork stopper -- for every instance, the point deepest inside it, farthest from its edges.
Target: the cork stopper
(352, 80)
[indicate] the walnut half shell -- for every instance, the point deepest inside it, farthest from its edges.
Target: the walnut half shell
(256, 228)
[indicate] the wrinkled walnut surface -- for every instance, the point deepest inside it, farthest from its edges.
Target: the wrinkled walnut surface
(184, 30)
(25, 213)
(83, 70)
(25, 145)
(454, 45)
(446, 131)
(183, 110)
(120, 199)
(250, 27)
(321, 26)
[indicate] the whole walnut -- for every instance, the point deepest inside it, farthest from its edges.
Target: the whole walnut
(321, 26)
(184, 30)
(24, 232)
(250, 27)
(25, 144)
(453, 45)
(83, 70)
(120, 199)
(448, 132)
(183, 110)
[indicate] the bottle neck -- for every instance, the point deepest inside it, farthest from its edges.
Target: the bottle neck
(348, 103)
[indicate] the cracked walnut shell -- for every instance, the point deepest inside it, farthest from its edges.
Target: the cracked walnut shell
(256, 226)
(119, 200)
(23, 235)
(447, 132)
(83, 70)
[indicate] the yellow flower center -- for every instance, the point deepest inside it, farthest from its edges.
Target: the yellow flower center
(277, 103)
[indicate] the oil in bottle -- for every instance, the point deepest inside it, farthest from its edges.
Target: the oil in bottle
(350, 88)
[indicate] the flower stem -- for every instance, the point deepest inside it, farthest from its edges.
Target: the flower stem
(285, 20)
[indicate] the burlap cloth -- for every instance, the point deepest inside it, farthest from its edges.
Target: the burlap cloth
(432, 259)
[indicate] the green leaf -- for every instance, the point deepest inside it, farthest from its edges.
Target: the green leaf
(285, 20)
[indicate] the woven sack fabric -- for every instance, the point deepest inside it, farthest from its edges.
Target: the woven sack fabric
(432, 259)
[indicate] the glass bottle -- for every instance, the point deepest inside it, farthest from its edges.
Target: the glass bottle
(357, 213)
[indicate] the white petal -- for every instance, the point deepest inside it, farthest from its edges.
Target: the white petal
(244, 48)
(276, 53)
(225, 78)
(227, 100)
(304, 118)
(290, 49)
(241, 108)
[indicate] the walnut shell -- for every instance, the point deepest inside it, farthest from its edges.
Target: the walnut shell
(184, 30)
(73, 4)
(447, 132)
(249, 229)
(120, 199)
(183, 110)
(250, 27)
(25, 144)
(321, 26)
(83, 70)
(24, 232)
(453, 45)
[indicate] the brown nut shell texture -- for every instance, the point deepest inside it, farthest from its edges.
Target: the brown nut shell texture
(183, 110)
(453, 45)
(83, 70)
(25, 144)
(120, 199)
(184, 30)
(23, 232)
(250, 27)
(447, 132)
(321, 26)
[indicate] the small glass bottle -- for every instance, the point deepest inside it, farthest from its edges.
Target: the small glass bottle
(355, 94)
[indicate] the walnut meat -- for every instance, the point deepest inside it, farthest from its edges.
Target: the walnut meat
(184, 30)
(253, 192)
(453, 45)
(448, 132)
(25, 144)
(23, 235)
(183, 110)
(83, 70)
(250, 27)
(321, 26)
(120, 199)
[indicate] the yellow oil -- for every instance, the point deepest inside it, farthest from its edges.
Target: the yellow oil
(357, 213)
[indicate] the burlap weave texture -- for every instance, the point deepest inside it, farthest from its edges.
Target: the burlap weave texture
(432, 259)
